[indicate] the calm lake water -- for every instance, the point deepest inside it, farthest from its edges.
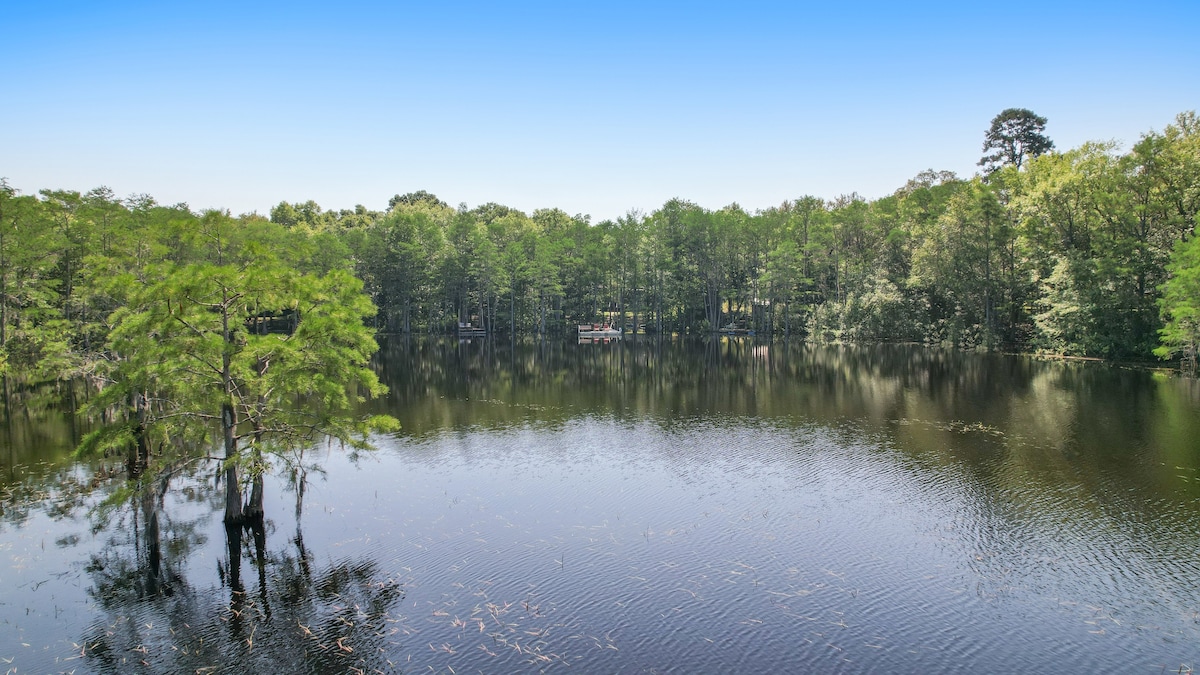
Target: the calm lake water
(646, 506)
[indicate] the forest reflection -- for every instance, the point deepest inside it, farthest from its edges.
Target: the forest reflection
(1020, 463)
(1022, 401)
(275, 609)
(1015, 428)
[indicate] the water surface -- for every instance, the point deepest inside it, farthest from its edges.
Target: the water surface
(650, 506)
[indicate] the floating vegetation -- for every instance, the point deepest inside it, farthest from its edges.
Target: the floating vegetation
(953, 426)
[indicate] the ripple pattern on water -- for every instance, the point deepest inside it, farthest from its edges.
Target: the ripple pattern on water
(641, 546)
(915, 533)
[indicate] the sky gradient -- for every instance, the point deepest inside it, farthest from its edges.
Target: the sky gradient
(593, 108)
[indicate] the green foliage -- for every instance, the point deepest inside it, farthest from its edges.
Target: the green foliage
(175, 334)
(1015, 135)
(1063, 324)
(239, 345)
(878, 312)
(1064, 252)
(1180, 305)
(416, 198)
(34, 337)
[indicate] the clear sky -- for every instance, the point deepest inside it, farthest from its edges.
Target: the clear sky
(595, 108)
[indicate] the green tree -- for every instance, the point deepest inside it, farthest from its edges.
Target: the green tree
(629, 237)
(509, 235)
(63, 209)
(1015, 135)
(190, 345)
(415, 198)
(308, 216)
(399, 261)
(547, 246)
(1180, 306)
(785, 278)
(34, 339)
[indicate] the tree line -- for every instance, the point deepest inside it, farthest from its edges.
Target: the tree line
(1088, 251)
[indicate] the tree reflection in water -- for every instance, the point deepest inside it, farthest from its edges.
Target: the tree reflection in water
(1050, 489)
(295, 616)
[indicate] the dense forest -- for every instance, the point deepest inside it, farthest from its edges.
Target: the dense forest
(1089, 251)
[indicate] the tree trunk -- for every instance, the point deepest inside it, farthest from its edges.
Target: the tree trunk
(541, 314)
(3, 298)
(253, 512)
(152, 541)
(712, 306)
(139, 454)
(658, 311)
(233, 571)
(233, 490)
(259, 534)
(8, 403)
(254, 508)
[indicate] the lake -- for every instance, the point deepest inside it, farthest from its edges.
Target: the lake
(645, 505)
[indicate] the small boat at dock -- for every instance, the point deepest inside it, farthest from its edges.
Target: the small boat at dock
(466, 329)
(598, 330)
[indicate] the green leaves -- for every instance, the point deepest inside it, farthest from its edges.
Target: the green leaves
(236, 344)
(1016, 134)
(1180, 305)
(161, 297)
(34, 337)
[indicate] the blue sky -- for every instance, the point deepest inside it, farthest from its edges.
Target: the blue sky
(595, 108)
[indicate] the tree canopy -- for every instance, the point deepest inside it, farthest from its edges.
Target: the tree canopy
(1016, 134)
(233, 343)
(1074, 252)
